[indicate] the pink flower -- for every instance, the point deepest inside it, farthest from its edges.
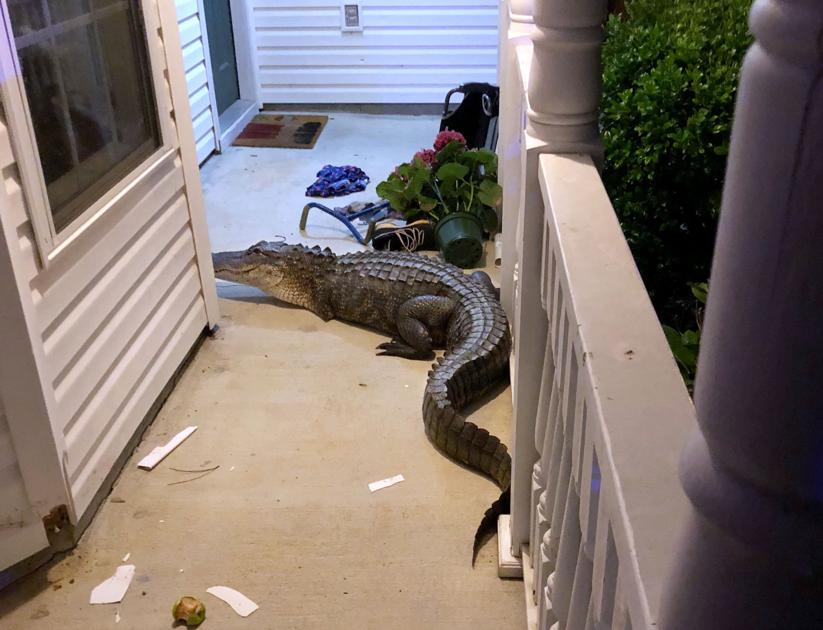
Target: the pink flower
(427, 155)
(444, 137)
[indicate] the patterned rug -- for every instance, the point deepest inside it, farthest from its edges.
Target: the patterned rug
(282, 131)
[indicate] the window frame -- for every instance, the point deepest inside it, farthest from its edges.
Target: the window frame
(50, 242)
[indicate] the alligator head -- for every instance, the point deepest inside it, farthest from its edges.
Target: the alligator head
(288, 272)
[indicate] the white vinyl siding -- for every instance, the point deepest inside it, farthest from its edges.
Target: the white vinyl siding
(407, 52)
(117, 311)
(21, 530)
(198, 76)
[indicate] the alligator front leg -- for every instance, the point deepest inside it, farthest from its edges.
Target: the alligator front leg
(421, 322)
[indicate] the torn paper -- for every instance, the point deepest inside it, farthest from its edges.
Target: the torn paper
(159, 452)
(114, 589)
(385, 483)
(241, 604)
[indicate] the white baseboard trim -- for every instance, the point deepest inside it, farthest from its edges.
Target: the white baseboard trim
(508, 565)
(234, 119)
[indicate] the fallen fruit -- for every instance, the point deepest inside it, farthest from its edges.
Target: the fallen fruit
(189, 610)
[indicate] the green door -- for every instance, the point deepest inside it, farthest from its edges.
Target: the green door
(221, 48)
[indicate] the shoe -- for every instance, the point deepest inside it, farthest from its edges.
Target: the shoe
(410, 237)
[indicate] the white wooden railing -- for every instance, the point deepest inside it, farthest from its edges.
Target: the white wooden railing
(606, 535)
(601, 412)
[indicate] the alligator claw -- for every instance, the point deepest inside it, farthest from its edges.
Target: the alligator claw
(401, 349)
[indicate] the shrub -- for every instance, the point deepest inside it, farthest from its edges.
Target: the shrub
(670, 76)
(685, 346)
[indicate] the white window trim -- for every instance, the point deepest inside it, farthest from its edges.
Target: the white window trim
(50, 244)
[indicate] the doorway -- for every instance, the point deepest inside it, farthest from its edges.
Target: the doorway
(226, 27)
(221, 50)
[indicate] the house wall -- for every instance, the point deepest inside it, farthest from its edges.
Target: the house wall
(119, 307)
(408, 52)
(198, 76)
(21, 530)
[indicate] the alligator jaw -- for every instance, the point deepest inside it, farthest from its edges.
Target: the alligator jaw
(227, 265)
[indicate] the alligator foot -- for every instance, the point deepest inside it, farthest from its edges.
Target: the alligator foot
(397, 348)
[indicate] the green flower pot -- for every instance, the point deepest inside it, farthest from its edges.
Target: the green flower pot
(460, 237)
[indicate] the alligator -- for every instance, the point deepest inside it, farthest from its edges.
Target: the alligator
(424, 305)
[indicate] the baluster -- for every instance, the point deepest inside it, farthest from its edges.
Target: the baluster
(544, 434)
(752, 554)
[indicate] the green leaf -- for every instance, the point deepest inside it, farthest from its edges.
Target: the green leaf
(700, 290)
(452, 171)
(484, 157)
(685, 356)
(450, 152)
(490, 193)
(427, 203)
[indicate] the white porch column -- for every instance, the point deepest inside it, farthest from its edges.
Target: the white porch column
(563, 97)
(566, 75)
(521, 12)
(752, 552)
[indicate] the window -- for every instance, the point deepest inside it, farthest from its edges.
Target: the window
(90, 94)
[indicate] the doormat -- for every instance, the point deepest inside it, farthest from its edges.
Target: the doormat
(281, 131)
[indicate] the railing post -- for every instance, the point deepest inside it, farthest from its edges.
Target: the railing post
(752, 552)
(516, 25)
(563, 96)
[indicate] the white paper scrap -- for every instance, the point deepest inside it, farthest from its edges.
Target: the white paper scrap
(159, 452)
(241, 604)
(114, 589)
(116, 616)
(385, 483)
(127, 556)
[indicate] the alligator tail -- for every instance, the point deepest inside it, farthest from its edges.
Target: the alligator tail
(463, 440)
(488, 526)
(472, 446)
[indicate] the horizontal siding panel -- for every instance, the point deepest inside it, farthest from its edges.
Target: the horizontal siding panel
(172, 351)
(277, 19)
(196, 78)
(378, 37)
(262, 5)
(203, 124)
(320, 77)
(193, 54)
(190, 30)
(199, 102)
(88, 374)
(185, 9)
(408, 57)
(97, 417)
(405, 53)
(57, 287)
(98, 304)
(205, 146)
(355, 94)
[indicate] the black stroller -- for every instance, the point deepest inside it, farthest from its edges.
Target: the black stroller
(476, 116)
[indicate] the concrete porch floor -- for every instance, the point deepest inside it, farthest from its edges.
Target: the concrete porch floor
(300, 416)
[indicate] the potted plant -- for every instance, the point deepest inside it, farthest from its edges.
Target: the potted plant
(454, 187)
